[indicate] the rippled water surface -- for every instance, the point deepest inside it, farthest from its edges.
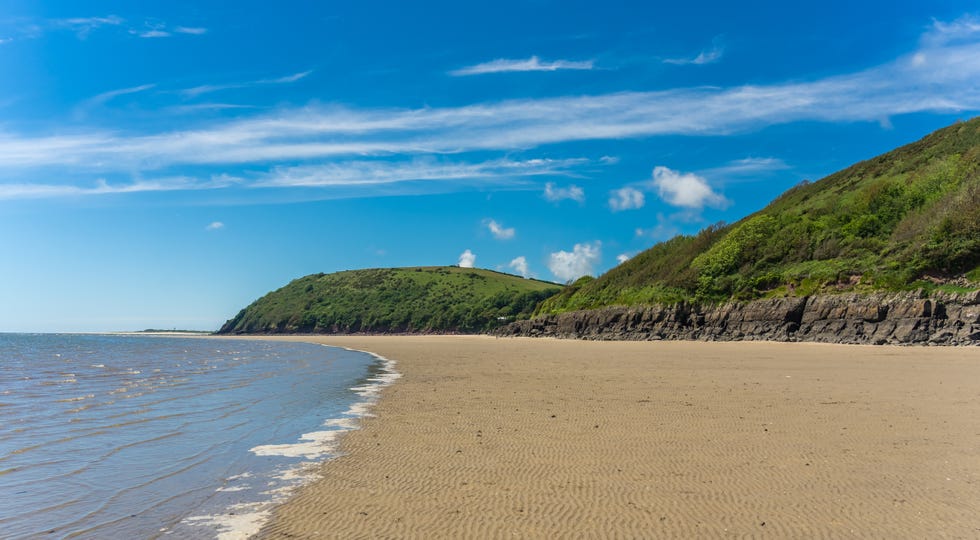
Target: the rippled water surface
(141, 436)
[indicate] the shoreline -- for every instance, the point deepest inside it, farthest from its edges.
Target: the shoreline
(542, 438)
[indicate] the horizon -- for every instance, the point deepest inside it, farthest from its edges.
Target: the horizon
(165, 165)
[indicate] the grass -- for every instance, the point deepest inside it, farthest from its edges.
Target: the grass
(420, 299)
(903, 220)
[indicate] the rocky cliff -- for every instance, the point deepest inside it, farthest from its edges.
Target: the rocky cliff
(903, 318)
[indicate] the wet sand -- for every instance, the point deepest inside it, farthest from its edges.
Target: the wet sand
(525, 438)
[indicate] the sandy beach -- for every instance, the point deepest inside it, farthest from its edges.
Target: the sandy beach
(524, 438)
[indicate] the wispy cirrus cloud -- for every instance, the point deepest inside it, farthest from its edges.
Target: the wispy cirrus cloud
(941, 33)
(504, 65)
(83, 27)
(339, 175)
(191, 30)
(938, 76)
(943, 80)
(105, 97)
(210, 88)
(102, 187)
(362, 173)
(706, 56)
(745, 169)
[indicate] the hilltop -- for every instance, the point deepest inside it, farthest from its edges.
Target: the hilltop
(885, 251)
(908, 219)
(394, 300)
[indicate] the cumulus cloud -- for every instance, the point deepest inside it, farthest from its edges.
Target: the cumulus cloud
(582, 260)
(686, 190)
(499, 231)
(623, 257)
(554, 193)
(467, 259)
(533, 63)
(626, 198)
(520, 266)
(215, 225)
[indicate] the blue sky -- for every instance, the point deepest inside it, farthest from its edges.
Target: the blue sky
(163, 164)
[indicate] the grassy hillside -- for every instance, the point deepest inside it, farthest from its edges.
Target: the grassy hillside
(436, 299)
(906, 219)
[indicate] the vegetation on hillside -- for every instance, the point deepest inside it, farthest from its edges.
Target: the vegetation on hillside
(431, 299)
(906, 219)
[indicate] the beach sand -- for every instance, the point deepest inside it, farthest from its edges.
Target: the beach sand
(525, 438)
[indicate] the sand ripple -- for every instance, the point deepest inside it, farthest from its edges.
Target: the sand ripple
(488, 438)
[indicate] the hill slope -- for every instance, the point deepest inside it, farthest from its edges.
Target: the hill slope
(903, 220)
(429, 299)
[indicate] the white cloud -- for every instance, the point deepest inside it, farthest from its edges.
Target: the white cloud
(623, 257)
(686, 190)
(748, 169)
(355, 174)
(105, 97)
(83, 26)
(944, 83)
(942, 33)
(939, 76)
(534, 63)
(499, 231)
(151, 33)
(520, 266)
(582, 260)
(215, 225)
(626, 198)
(467, 259)
(101, 187)
(210, 88)
(554, 193)
(286, 79)
(192, 30)
(706, 56)
(388, 172)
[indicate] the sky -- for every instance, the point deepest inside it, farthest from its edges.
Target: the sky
(165, 163)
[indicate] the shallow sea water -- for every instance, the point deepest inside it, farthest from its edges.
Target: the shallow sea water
(113, 436)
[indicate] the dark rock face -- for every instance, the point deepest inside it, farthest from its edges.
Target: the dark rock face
(900, 318)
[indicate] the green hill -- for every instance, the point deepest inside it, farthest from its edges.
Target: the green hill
(425, 299)
(904, 220)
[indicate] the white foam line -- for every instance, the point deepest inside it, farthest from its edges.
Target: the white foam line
(247, 519)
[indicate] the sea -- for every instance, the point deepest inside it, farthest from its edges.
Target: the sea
(137, 436)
